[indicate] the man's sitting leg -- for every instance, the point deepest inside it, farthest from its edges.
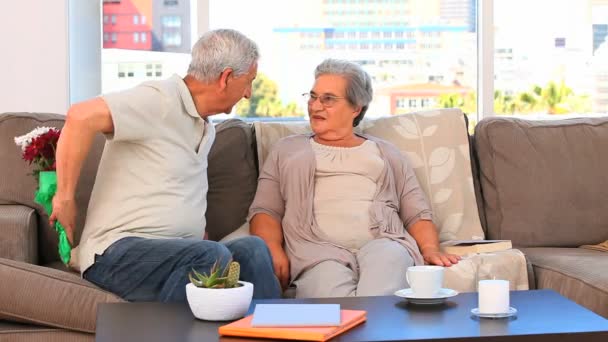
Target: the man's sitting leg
(256, 266)
(139, 269)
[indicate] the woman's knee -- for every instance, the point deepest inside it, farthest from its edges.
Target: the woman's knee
(327, 279)
(386, 250)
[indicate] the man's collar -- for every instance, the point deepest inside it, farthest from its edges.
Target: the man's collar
(186, 97)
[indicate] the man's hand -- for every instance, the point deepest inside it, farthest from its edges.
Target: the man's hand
(435, 257)
(64, 211)
(280, 262)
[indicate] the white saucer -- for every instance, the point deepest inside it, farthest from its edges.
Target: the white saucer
(439, 298)
(512, 312)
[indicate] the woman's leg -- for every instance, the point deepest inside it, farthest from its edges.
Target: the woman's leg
(139, 269)
(382, 266)
(252, 254)
(326, 279)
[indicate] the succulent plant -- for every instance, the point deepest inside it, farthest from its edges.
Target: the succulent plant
(217, 278)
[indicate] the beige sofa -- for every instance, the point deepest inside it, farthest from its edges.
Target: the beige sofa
(546, 196)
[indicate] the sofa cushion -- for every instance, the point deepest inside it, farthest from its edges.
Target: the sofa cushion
(17, 186)
(17, 332)
(576, 273)
(45, 296)
(544, 183)
(19, 233)
(436, 143)
(232, 178)
(509, 265)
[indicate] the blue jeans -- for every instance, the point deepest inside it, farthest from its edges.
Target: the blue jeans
(139, 269)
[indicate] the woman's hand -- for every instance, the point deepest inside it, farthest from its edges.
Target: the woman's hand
(425, 234)
(280, 262)
(435, 257)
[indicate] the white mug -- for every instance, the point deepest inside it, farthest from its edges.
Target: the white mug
(425, 281)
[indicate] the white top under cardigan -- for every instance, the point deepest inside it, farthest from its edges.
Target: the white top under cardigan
(345, 186)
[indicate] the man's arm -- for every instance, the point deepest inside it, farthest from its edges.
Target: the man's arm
(425, 234)
(270, 230)
(84, 120)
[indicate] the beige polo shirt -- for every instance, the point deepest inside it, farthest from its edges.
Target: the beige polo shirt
(152, 177)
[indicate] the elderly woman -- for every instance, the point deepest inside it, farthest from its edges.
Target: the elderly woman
(342, 213)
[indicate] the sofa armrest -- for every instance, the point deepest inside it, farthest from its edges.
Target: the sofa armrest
(18, 233)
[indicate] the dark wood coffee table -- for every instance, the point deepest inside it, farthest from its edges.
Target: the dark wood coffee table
(543, 315)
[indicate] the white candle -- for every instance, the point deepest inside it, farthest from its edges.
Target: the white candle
(493, 296)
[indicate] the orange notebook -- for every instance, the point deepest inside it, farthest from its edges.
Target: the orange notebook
(242, 328)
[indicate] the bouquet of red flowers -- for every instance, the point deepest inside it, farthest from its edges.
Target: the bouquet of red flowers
(38, 147)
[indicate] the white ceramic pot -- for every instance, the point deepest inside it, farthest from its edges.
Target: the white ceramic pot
(219, 304)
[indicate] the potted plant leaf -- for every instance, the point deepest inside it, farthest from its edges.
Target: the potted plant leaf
(219, 295)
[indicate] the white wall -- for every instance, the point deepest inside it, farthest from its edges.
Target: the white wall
(35, 56)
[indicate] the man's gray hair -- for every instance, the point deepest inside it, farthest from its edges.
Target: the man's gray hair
(220, 49)
(359, 90)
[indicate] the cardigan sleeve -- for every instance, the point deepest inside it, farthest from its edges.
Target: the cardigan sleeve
(268, 198)
(413, 202)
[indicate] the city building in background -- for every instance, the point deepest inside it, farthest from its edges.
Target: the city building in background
(407, 98)
(425, 43)
(156, 25)
(144, 40)
(421, 54)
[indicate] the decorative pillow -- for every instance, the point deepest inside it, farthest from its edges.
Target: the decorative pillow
(437, 145)
(232, 178)
(544, 181)
(509, 265)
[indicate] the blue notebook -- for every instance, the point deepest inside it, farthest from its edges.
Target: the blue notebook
(296, 315)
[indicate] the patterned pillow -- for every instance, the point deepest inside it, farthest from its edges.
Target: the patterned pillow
(436, 143)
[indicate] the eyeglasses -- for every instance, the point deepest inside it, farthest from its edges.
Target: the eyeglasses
(325, 99)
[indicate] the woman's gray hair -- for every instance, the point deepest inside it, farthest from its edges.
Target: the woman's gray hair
(220, 49)
(359, 90)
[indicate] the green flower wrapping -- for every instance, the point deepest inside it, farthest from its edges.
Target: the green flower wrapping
(47, 187)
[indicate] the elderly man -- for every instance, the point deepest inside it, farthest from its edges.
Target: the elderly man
(146, 217)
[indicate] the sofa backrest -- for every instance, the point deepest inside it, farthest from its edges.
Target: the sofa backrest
(544, 183)
(17, 185)
(437, 146)
(233, 177)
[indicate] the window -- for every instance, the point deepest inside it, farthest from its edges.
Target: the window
(172, 38)
(431, 42)
(171, 30)
(172, 21)
(358, 30)
(134, 40)
(401, 103)
(154, 70)
(555, 70)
